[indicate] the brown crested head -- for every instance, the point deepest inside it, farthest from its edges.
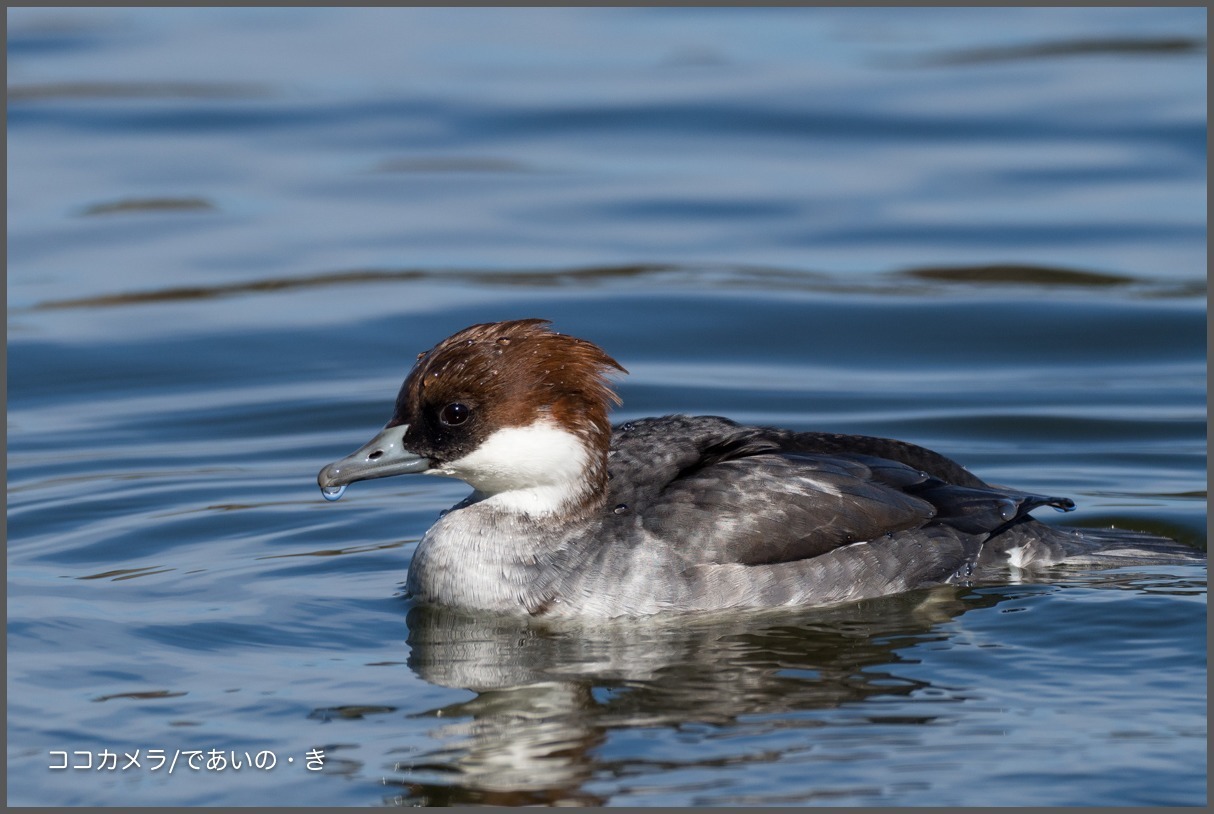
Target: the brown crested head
(504, 374)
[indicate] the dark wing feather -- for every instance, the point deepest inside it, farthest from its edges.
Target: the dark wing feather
(770, 508)
(983, 509)
(765, 496)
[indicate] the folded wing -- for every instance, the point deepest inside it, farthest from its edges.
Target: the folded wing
(762, 507)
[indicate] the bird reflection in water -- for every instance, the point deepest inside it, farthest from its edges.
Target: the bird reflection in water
(550, 697)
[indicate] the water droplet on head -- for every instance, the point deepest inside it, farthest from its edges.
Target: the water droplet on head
(332, 492)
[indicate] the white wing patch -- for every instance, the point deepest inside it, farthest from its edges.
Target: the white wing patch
(1019, 557)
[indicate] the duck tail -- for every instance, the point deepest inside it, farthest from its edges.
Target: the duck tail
(1031, 544)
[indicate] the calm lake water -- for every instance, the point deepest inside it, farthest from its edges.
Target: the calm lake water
(231, 230)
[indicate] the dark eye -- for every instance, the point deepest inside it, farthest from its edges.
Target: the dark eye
(454, 414)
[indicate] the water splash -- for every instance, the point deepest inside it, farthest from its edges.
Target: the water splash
(333, 492)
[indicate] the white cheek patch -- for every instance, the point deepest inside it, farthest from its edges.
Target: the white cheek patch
(537, 469)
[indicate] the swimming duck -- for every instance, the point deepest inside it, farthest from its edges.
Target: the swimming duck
(573, 517)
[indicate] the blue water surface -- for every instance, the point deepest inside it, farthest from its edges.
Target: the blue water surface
(230, 231)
